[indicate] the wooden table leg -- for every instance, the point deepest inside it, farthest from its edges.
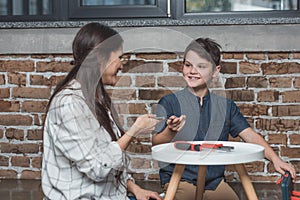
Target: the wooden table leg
(174, 182)
(246, 182)
(200, 182)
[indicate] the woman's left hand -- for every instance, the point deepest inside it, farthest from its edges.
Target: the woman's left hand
(143, 194)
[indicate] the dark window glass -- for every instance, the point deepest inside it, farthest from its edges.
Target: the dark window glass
(116, 2)
(25, 7)
(198, 6)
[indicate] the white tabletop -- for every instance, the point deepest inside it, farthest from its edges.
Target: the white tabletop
(242, 153)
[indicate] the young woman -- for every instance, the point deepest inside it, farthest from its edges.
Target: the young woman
(83, 143)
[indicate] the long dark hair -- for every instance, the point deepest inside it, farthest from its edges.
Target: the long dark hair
(86, 40)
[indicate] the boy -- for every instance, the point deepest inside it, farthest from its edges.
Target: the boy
(196, 114)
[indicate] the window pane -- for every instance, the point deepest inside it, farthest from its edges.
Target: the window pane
(3, 7)
(192, 6)
(25, 7)
(116, 2)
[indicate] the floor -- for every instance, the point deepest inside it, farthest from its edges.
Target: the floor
(31, 190)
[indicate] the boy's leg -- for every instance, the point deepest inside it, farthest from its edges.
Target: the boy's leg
(187, 191)
(222, 192)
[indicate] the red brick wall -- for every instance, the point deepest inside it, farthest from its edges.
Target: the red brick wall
(266, 87)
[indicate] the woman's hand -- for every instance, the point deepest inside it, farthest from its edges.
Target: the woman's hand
(144, 123)
(143, 194)
(175, 124)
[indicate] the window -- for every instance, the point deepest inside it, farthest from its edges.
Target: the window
(79, 9)
(64, 10)
(237, 8)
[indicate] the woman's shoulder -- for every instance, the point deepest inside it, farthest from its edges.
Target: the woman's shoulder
(72, 92)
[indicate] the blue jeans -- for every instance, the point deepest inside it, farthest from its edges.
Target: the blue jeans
(132, 198)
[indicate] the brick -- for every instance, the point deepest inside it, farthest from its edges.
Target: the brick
(230, 55)
(249, 68)
(41, 80)
(175, 66)
(153, 177)
(35, 134)
(240, 95)
(236, 82)
(143, 67)
(20, 161)
(137, 108)
(278, 56)
(27, 174)
(36, 119)
(2, 79)
(17, 66)
(152, 94)
(139, 148)
(267, 96)
(140, 163)
(228, 67)
(257, 82)
(271, 168)
(145, 81)
(4, 92)
(280, 68)
(256, 178)
(34, 106)
(280, 82)
(255, 166)
(277, 139)
(15, 120)
(296, 164)
(256, 56)
(138, 176)
(53, 67)
(17, 79)
(286, 110)
(290, 152)
(297, 82)
(171, 81)
(4, 161)
(122, 94)
(290, 96)
(19, 148)
(253, 109)
(8, 174)
(156, 56)
(277, 124)
(16, 134)
(294, 139)
(27, 92)
(36, 162)
(1, 133)
(296, 55)
(123, 81)
(9, 106)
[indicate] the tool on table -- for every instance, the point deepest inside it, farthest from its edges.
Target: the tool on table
(287, 187)
(183, 145)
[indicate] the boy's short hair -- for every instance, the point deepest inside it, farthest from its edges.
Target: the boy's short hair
(206, 48)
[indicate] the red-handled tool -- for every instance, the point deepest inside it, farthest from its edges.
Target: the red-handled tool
(287, 187)
(183, 145)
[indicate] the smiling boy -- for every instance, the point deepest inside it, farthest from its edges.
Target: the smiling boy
(196, 114)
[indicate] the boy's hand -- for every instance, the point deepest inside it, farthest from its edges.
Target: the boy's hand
(175, 124)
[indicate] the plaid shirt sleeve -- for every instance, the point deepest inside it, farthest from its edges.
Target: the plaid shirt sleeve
(82, 140)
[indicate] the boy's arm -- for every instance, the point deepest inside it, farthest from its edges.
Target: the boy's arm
(250, 136)
(174, 125)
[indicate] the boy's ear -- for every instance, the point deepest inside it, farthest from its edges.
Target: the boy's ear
(217, 71)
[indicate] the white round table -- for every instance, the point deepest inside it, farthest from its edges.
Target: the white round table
(242, 153)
